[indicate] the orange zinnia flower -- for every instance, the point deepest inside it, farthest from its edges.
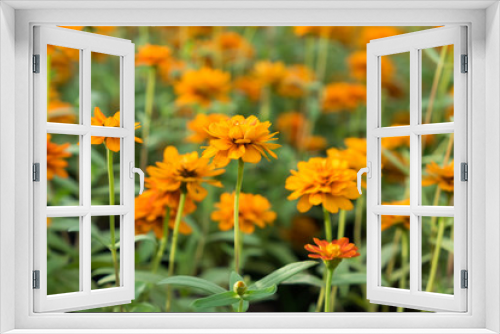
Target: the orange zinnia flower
(56, 159)
(152, 55)
(255, 210)
(334, 250)
(183, 172)
(442, 176)
(357, 67)
(150, 211)
(240, 137)
(390, 220)
(324, 181)
(343, 96)
(354, 154)
(199, 125)
(203, 87)
(295, 126)
(249, 86)
(295, 81)
(269, 73)
(99, 119)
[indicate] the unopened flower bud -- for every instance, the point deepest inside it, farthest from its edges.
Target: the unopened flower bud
(240, 288)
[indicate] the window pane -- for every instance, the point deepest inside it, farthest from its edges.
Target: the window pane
(437, 169)
(437, 84)
(105, 252)
(63, 255)
(63, 170)
(105, 171)
(63, 81)
(395, 180)
(395, 251)
(437, 254)
(105, 88)
(395, 92)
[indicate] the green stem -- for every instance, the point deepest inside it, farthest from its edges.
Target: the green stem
(111, 178)
(405, 261)
(150, 95)
(163, 243)
(322, 58)
(240, 305)
(171, 261)
(437, 76)
(237, 234)
(341, 231)
(328, 289)
(435, 256)
(328, 225)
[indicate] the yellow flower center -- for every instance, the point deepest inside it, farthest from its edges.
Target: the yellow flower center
(332, 250)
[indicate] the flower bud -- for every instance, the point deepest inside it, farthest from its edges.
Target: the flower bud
(240, 288)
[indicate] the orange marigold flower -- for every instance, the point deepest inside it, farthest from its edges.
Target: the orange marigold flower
(269, 73)
(202, 87)
(442, 176)
(357, 67)
(354, 154)
(390, 220)
(99, 119)
(295, 81)
(249, 86)
(56, 159)
(61, 112)
(255, 210)
(240, 137)
(152, 55)
(325, 181)
(370, 33)
(183, 172)
(334, 250)
(199, 125)
(343, 96)
(295, 127)
(150, 211)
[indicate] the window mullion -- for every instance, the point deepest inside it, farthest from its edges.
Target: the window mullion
(415, 84)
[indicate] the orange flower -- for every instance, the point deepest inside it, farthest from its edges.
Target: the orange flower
(357, 67)
(330, 251)
(56, 159)
(370, 33)
(240, 137)
(442, 176)
(255, 210)
(343, 96)
(324, 181)
(390, 220)
(296, 127)
(171, 69)
(295, 81)
(390, 143)
(183, 172)
(342, 34)
(63, 63)
(150, 211)
(269, 73)
(99, 119)
(249, 86)
(202, 87)
(229, 46)
(61, 112)
(199, 125)
(152, 55)
(354, 154)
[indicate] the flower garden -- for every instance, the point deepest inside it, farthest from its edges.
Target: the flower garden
(250, 138)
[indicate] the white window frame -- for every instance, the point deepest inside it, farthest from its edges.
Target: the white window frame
(484, 102)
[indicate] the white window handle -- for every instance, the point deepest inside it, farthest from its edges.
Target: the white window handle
(368, 171)
(133, 170)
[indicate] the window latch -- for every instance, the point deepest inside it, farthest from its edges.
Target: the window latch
(368, 171)
(133, 170)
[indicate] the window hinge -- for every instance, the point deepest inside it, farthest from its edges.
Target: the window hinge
(465, 279)
(464, 171)
(465, 64)
(36, 63)
(36, 172)
(36, 279)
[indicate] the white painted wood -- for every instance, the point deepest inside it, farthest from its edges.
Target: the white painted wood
(85, 298)
(414, 43)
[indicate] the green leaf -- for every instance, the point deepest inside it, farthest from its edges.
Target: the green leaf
(220, 299)
(235, 277)
(304, 279)
(193, 282)
(284, 273)
(259, 293)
